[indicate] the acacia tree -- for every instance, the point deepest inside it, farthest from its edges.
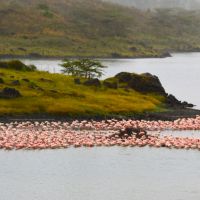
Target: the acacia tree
(83, 68)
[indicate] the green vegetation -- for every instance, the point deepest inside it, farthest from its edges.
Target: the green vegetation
(86, 68)
(91, 28)
(16, 65)
(57, 94)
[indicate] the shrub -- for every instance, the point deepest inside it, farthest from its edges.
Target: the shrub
(17, 65)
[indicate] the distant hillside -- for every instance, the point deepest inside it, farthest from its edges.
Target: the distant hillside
(93, 28)
(152, 4)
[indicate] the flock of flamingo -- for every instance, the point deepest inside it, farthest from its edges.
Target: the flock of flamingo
(53, 135)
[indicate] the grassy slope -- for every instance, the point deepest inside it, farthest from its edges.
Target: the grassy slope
(93, 28)
(71, 99)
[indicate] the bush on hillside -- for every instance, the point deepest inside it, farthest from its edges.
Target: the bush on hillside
(17, 65)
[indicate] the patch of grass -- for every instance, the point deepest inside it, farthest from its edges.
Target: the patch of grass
(60, 96)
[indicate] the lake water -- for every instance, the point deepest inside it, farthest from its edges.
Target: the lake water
(112, 173)
(100, 174)
(180, 74)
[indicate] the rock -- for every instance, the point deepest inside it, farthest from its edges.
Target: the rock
(1, 81)
(109, 84)
(35, 86)
(187, 105)
(21, 49)
(46, 80)
(172, 101)
(93, 82)
(149, 75)
(138, 132)
(35, 55)
(126, 89)
(124, 77)
(15, 82)
(9, 93)
(17, 65)
(26, 80)
(128, 132)
(153, 83)
(133, 49)
(77, 81)
(165, 55)
(116, 55)
(148, 83)
(145, 83)
(40, 89)
(54, 91)
(3, 64)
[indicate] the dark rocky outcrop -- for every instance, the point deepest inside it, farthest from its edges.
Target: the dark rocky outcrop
(110, 84)
(46, 80)
(124, 77)
(16, 65)
(145, 83)
(15, 82)
(77, 81)
(148, 83)
(35, 86)
(21, 49)
(26, 80)
(128, 132)
(9, 93)
(35, 55)
(172, 101)
(165, 55)
(54, 91)
(138, 132)
(92, 82)
(188, 105)
(1, 81)
(116, 55)
(133, 49)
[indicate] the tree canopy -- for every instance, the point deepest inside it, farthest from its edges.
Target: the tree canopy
(83, 68)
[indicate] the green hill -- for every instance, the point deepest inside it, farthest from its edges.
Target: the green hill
(93, 28)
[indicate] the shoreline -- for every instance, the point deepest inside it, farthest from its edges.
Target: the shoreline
(170, 115)
(40, 57)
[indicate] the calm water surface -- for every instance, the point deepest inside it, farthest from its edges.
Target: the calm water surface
(180, 74)
(112, 173)
(100, 174)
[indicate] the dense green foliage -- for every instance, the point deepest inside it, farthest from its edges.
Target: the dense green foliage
(16, 65)
(86, 68)
(92, 28)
